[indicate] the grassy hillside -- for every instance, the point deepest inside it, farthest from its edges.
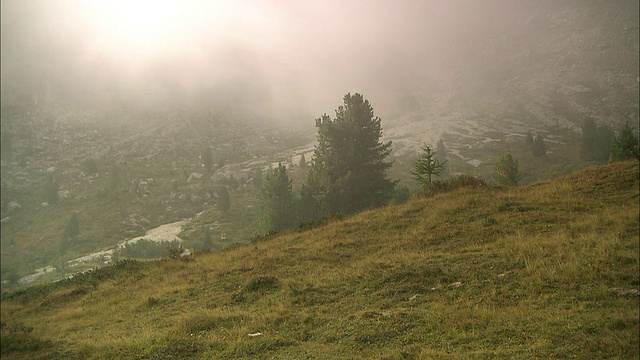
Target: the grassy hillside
(549, 270)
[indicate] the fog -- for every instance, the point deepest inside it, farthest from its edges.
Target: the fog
(285, 60)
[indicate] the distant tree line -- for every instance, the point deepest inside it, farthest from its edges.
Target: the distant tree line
(347, 173)
(596, 140)
(536, 144)
(625, 145)
(599, 142)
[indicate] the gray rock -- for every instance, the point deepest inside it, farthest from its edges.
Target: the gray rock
(13, 205)
(194, 176)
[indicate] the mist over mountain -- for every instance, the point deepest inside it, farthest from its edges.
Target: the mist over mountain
(146, 90)
(290, 61)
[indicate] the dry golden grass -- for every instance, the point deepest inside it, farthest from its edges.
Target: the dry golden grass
(543, 271)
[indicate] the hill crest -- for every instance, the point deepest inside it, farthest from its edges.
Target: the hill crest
(547, 270)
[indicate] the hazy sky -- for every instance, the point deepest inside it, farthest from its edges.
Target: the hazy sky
(283, 57)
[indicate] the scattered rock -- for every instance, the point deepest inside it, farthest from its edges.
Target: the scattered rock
(254, 335)
(194, 176)
(456, 284)
(13, 205)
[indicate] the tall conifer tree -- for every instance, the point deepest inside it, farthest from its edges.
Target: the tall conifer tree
(506, 171)
(441, 156)
(538, 149)
(276, 195)
(348, 171)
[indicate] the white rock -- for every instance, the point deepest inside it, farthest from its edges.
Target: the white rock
(195, 176)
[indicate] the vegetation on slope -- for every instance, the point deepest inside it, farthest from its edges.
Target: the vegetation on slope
(549, 270)
(131, 171)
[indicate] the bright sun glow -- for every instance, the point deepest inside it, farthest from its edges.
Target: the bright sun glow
(143, 28)
(136, 26)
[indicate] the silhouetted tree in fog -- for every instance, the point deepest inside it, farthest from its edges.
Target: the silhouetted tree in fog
(625, 146)
(588, 138)
(529, 138)
(72, 229)
(538, 148)
(596, 140)
(71, 232)
(257, 177)
(506, 171)
(348, 172)
(441, 156)
(400, 194)
(277, 202)
(207, 239)
(224, 199)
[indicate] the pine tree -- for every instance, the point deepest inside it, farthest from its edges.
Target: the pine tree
(257, 177)
(529, 139)
(303, 161)
(441, 156)
(207, 239)
(625, 146)
(277, 203)
(603, 143)
(72, 230)
(348, 172)
(426, 166)
(506, 171)
(401, 194)
(224, 199)
(587, 142)
(538, 148)
(596, 140)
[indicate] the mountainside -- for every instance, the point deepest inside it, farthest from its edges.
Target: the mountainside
(534, 66)
(128, 150)
(549, 270)
(123, 172)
